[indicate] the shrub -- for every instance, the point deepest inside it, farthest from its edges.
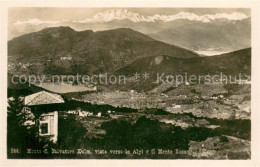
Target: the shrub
(224, 139)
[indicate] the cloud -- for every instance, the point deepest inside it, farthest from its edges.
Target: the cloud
(37, 22)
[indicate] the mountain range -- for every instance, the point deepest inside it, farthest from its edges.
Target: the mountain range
(222, 35)
(62, 50)
(123, 51)
(224, 32)
(124, 14)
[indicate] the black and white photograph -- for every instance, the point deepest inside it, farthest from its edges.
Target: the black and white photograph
(129, 83)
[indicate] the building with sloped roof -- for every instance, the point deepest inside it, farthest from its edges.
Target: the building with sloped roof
(45, 106)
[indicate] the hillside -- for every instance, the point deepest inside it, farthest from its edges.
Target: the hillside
(219, 35)
(228, 64)
(62, 50)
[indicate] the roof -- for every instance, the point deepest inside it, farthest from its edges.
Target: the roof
(42, 97)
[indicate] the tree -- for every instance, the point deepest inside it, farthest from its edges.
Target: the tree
(71, 132)
(16, 130)
(15, 108)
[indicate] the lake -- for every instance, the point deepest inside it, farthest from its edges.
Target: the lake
(65, 88)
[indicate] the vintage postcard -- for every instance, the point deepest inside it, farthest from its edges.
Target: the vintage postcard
(130, 81)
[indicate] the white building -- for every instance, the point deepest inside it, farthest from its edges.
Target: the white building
(47, 105)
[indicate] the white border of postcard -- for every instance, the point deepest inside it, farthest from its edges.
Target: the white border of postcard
(255, 89)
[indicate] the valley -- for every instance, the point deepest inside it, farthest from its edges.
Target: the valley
(203, 119)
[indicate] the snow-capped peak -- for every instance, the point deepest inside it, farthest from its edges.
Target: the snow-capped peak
(122, 14)
(114, 14)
